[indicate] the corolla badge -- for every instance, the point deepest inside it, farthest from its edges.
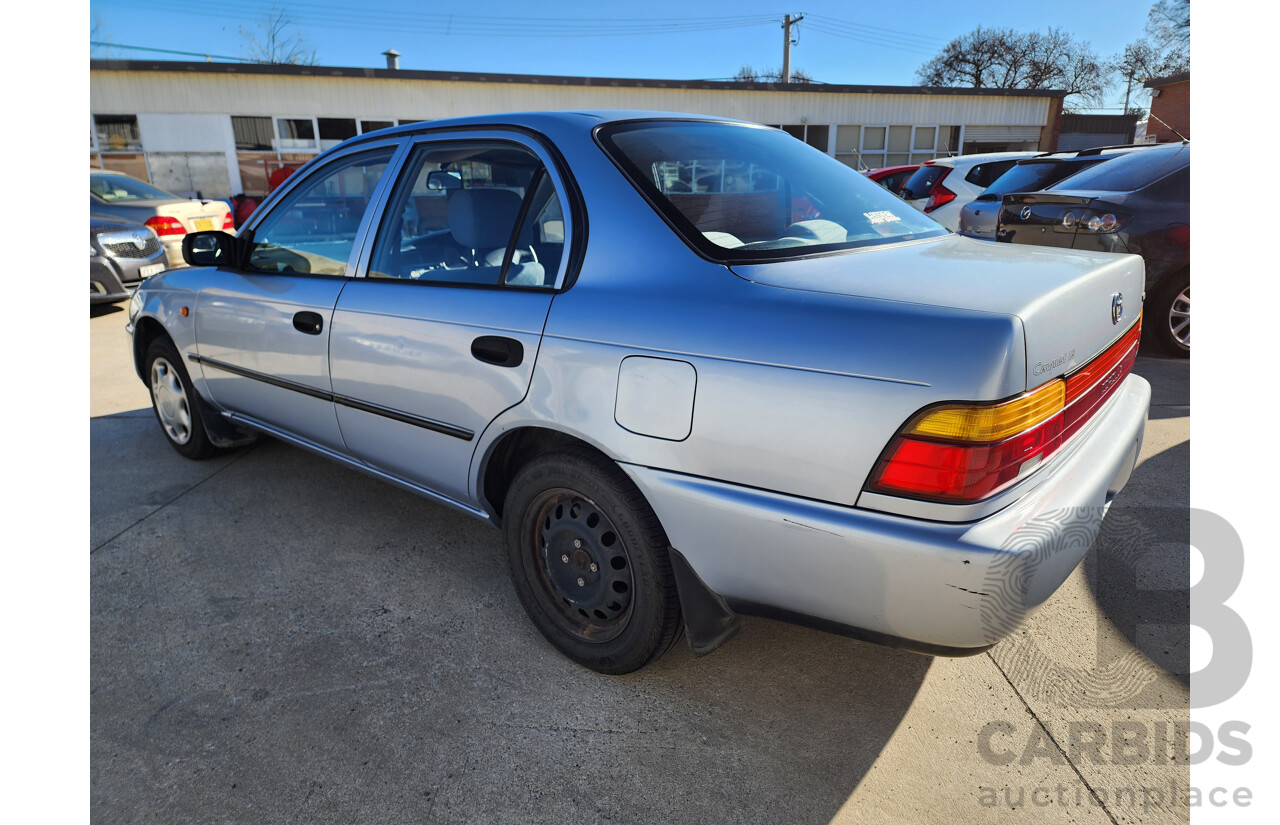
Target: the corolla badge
(1117, 308)
(1025, 213)
(140, 238)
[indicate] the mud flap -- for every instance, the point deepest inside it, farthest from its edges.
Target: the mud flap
(708, 621)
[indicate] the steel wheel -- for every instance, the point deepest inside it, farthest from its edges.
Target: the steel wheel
(581, 564)
(171, 403)
(1180, 317)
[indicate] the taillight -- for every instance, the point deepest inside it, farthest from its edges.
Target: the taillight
(939, 194)
(228, 223)
(1178, 235)
(164, 225)
(961, 453)
(1100, 222)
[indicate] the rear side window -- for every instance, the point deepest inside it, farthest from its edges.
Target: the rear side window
(1132, 171)
(922, 180)
(1032, 177)
(985, 174)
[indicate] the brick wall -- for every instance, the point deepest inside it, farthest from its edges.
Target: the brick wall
(1173, 106)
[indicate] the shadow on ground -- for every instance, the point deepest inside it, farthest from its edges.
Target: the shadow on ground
(275, 637)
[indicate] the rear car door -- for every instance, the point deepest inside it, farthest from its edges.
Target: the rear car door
(262, 329)
(439, 331)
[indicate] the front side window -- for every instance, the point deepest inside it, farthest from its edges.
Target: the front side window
(314, 228)
(453, 218)
(765, 196)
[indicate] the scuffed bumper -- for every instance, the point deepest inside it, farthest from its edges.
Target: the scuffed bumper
(935, 586)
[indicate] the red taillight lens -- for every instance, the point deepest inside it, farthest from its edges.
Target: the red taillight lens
(939, 194)
(228, 223)
(164, 225)
(962, 453)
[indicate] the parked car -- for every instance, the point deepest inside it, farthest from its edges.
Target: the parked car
(979, 217)
(892, 177)
(942, 186)
(1137, 204)
(697, 405)
(121, 254)
(169, 216)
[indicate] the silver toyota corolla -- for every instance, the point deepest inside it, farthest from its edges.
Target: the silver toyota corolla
(692, 368)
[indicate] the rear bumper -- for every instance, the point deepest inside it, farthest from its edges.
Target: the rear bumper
(939, 587)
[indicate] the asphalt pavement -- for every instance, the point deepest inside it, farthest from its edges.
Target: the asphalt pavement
(276, 639)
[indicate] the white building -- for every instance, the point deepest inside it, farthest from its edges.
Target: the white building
(220, 128)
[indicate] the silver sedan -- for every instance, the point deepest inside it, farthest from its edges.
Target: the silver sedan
(691, 368)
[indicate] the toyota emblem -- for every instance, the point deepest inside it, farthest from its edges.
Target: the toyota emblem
(1025, 214)
(1117, 308)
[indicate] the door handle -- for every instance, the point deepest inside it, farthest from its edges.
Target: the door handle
(309, 322)
(494, 349)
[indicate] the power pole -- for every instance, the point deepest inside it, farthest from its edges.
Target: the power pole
(786, 46)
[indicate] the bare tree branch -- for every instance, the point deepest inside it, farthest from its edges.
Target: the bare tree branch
(275, 43)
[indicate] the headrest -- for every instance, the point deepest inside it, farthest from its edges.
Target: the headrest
(483, 218)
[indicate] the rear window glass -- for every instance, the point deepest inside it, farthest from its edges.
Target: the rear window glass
(1132, 171)
(739, 193)
(922, 180)
(985, 174)
(118, 189)
(1032, 177)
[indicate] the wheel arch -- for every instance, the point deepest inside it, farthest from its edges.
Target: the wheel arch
(145, 330)
(513, 450)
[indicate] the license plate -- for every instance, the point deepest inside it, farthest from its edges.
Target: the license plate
(148, 271)
(203, 224)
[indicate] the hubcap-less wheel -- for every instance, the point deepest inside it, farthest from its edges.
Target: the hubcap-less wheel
(171, 401)
(581, 564)
(1180, 318)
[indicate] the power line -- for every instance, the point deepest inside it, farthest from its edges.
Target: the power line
(205, 55)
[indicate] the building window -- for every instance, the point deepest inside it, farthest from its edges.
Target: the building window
(367, 126)
(118, 133)
(296, 134)
(253, 134)
(334, 130)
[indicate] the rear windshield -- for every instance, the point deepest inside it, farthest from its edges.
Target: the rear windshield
(117, 188)
(922, 180)
(1128, 172)
(738, 192)
(985, 174)
(1032, 177)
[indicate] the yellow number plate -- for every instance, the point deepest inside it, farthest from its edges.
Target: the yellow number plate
(203, 224)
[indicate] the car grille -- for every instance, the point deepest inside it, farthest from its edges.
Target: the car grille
(129, 250)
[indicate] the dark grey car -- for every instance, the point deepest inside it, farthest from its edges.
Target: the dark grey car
(121, 254)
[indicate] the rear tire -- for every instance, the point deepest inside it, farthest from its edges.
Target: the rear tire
(1171, 315)
(173, 399)
(589, 562)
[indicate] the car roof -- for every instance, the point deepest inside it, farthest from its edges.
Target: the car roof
(966, 160)
(587, 118)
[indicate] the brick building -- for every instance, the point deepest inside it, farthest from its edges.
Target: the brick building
(1170, 119)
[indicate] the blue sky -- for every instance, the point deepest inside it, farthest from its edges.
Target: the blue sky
(841, 42)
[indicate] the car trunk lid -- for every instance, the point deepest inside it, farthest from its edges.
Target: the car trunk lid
(1072, 305)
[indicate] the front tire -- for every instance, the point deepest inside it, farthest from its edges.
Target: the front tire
(173, 399)
(589, 562)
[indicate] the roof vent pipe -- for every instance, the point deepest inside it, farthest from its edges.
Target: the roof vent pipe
(393, 59)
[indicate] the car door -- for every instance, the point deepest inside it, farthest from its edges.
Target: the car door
(262, 329)
(439, 331)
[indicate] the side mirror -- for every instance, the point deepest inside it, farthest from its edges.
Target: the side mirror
(213, 248)
(443, 180)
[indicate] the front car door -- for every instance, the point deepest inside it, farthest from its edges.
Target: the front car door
(262, 329)
(439, 331)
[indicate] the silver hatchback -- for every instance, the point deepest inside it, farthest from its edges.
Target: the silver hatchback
(691, 368)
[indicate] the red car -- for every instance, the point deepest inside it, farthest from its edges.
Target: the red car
(892, 177)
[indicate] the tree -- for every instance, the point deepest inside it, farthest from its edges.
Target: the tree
(1166, 50)
(275, 43)
(1006, 59)
(748, 74)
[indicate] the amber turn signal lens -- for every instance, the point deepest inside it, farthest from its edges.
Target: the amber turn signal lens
(985, 424)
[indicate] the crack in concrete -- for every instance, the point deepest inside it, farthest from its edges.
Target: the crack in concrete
(1055, 742)
(197, 485)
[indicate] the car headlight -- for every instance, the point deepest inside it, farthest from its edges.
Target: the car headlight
(92, 252)
(135, 305)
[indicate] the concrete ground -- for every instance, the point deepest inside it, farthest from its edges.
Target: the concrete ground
(278, 639)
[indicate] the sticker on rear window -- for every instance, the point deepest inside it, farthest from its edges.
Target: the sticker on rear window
(880, 217)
